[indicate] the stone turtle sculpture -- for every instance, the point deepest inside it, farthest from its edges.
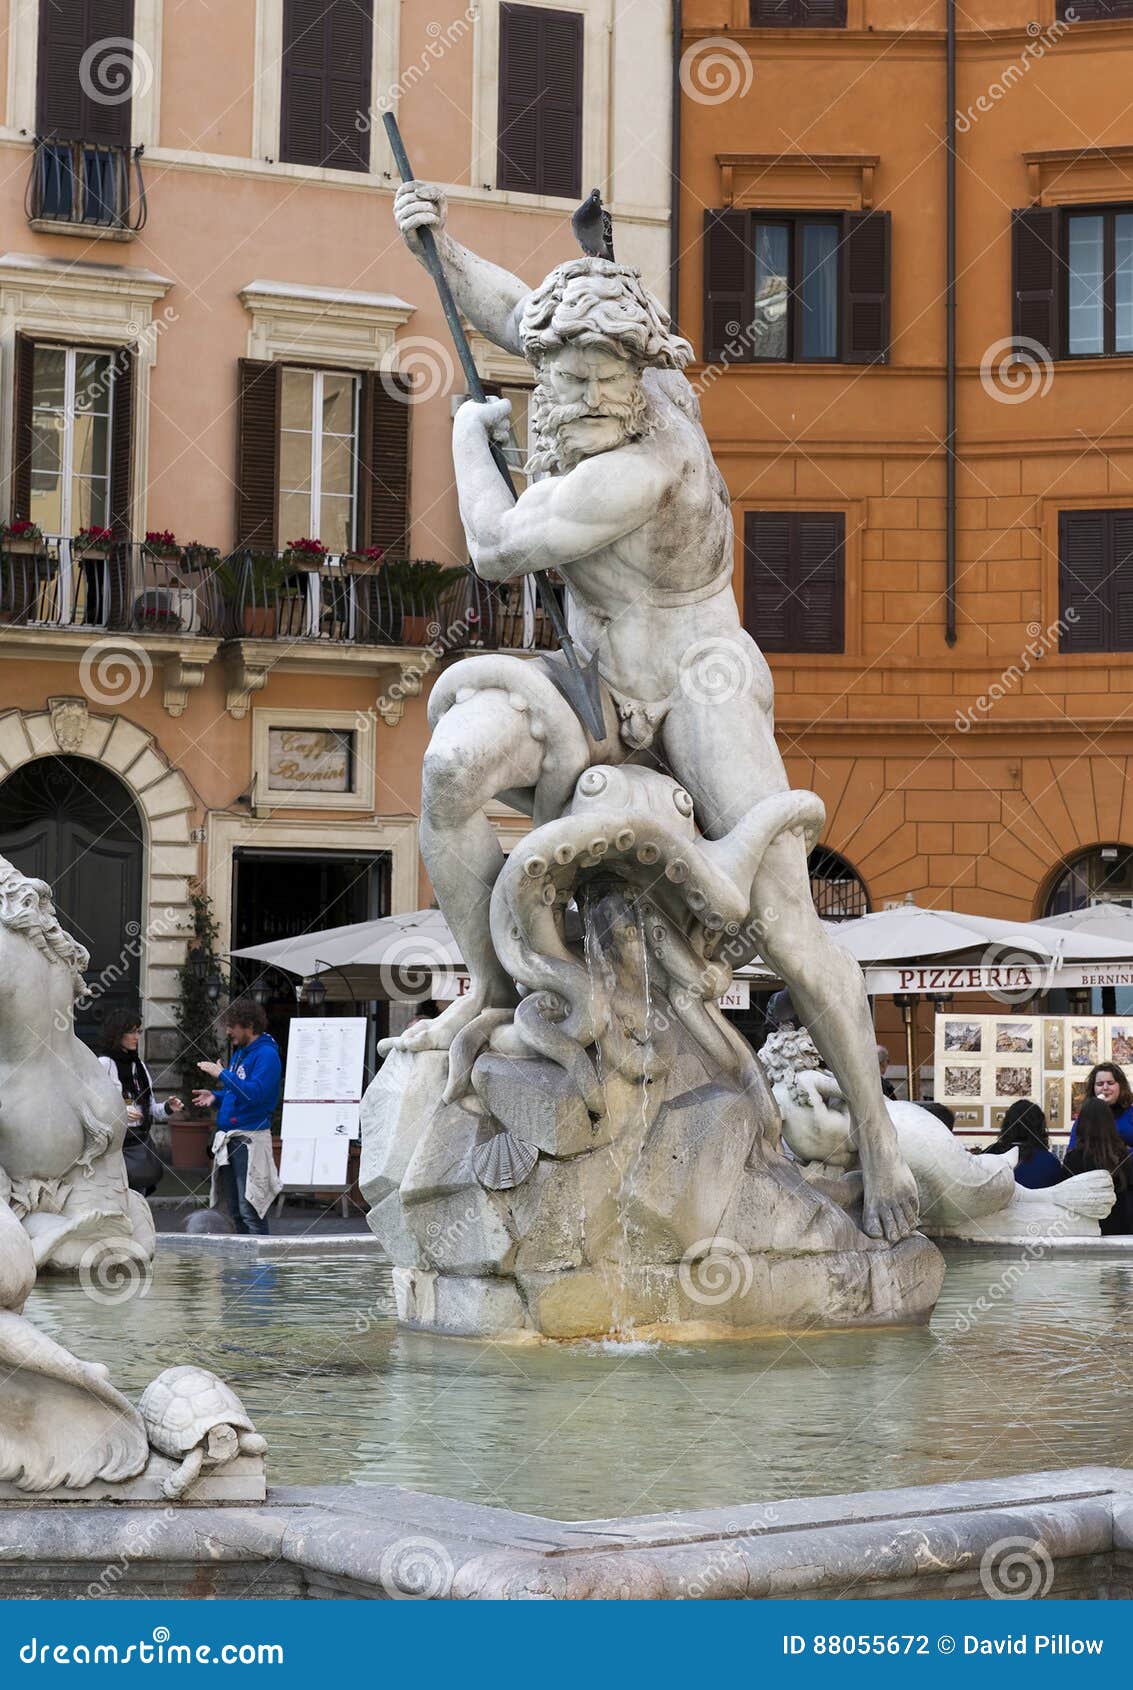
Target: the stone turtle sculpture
(191, 1414)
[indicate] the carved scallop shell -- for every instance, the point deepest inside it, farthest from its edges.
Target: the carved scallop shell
(503, 1162)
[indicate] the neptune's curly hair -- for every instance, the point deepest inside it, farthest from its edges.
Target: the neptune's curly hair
(595, 302)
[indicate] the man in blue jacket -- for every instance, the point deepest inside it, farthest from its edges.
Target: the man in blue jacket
(247, 1093)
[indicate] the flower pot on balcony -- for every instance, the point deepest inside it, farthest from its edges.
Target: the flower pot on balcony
(418, 630)
(259, 621)
(189, 1142)
(19, 547)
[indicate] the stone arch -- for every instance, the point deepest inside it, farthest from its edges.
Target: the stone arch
(166, 804)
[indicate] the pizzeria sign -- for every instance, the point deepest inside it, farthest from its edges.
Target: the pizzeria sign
(1017, 978)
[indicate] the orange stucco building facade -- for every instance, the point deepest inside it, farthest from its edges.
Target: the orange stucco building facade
(964, 772)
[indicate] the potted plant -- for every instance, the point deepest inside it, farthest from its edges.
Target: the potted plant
(250, 585)
(21, 573)
(154, 614)
(201, 984)
(304, 554)
(367, 561)
(160, 543)
(21, 537)
(416, 587)
(93, 543)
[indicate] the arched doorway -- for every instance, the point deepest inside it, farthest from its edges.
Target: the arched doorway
(73, 823)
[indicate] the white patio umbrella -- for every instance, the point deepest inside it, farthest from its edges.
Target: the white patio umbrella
(1102, 920)
(397, 956)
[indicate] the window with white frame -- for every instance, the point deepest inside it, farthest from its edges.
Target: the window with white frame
(72, 401)
(318, 459)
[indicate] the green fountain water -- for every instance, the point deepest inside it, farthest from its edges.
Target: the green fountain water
(1025, 1366)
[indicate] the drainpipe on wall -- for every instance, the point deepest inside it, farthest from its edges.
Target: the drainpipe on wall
(950, 336)
(675, 167)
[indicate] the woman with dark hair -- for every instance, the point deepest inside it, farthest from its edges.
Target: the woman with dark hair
(1107, 1081)
(1024, 1130)
(1100, 1146)
(121, 1033)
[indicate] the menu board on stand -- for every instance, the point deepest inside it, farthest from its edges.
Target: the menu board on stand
(322, 1100)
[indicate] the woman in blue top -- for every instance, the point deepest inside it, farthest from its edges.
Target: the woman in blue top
(1108, 1082)
(1024, 1130)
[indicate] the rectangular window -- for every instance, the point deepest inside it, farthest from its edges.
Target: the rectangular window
(318, 457)
(326, 74)
(798, 14)
(72, 398)
(1094, 11)
(1098, 256)
(539, 149)
(1095, 580)
(796, 287)
(794, 580)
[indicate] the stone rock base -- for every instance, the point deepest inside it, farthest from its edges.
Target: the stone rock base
(721, 1296)
(676, 1214)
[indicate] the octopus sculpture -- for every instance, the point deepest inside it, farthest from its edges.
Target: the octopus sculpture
(632, 829)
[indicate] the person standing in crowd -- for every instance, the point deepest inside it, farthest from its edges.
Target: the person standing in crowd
(121, 1035)
(888, 1088)
(243, 1168)
(1024, 1130)
(1107, 1081)
(1099, 1145)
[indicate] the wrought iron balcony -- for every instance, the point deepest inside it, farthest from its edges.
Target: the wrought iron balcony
(400, 603)
(52, 582)
(86, 184)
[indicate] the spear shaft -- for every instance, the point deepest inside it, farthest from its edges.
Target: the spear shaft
(579, 685)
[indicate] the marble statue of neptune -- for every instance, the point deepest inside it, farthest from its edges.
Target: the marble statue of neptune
(633, 514)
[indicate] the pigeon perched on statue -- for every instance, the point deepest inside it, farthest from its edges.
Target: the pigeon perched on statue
(594, 227)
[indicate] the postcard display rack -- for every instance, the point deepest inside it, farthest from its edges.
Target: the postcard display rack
(983, 1063)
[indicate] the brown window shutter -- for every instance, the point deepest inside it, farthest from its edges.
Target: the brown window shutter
(768, 584)
(820, 581)
(539, 148)
(122, 443)
(1036, 277)
(728, 285)
(67, 28)
(385, 465)
(794, 580)
(865, 287)
(257, 459)
(1121, 578)
(325, 83)
(1085, 594)
(23, 399)
(798, 14)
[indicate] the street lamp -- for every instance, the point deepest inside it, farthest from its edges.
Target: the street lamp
(313, 992)
(261, 993)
